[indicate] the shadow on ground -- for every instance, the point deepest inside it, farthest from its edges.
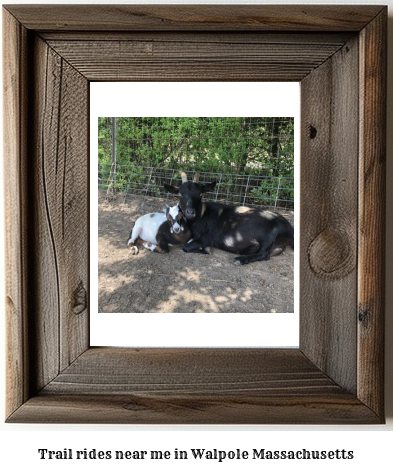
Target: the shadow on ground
(180, 282)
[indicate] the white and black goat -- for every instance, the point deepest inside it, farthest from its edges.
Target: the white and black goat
(253, 233)
(159, 230)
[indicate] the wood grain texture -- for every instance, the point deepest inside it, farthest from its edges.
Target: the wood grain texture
(200, 386)
(371, 261)
(184, 60)
(60, 191)
(191, 371)
(16, 229)
(195, 17)
(153, 409)
(52, 374)
(328, 252)
(201, 37)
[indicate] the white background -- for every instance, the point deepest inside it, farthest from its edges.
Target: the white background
(198, 99)
(372, 444)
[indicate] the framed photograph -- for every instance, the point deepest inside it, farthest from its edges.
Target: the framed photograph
(249, 147)
(52, 55)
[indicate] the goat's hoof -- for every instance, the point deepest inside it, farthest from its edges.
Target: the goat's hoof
(238, 261)
(133, 250)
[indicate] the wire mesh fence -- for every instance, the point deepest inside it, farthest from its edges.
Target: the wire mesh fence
(251, 159)
(253, 190)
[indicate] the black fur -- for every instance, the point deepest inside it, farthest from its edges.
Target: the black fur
(253, 233)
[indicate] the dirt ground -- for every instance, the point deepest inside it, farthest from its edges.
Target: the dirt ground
(181, 282)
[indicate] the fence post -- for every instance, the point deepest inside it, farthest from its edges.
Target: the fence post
(148, 183)
(218, 187)
(278, 192)
(173, 174)
(112, 174)
(245, 192)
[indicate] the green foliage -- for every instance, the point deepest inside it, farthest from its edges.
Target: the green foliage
(259, 146)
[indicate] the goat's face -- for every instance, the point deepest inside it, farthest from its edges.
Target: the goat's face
(190, 197)
(174, 216)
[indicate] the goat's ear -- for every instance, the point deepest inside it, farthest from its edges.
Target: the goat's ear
(171, 189)
(208, 187)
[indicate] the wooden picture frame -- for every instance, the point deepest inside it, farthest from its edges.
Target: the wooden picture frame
(338, 54)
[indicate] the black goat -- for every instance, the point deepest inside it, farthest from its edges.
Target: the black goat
(255, 234)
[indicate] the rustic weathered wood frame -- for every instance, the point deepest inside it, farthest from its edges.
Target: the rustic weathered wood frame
(338, 54)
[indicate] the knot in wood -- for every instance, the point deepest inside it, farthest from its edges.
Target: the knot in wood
(363, 316)
(331, 254)
(80, 299)
(313, 132)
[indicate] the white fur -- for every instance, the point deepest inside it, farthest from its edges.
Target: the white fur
(173, 212)
(146, 227)
(268, 215)
(176, 228)
(149, 247)
(242, 209)
(133, 248)
(229, 241)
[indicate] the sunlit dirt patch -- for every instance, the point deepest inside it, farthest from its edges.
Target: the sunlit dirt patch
(182, 282)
